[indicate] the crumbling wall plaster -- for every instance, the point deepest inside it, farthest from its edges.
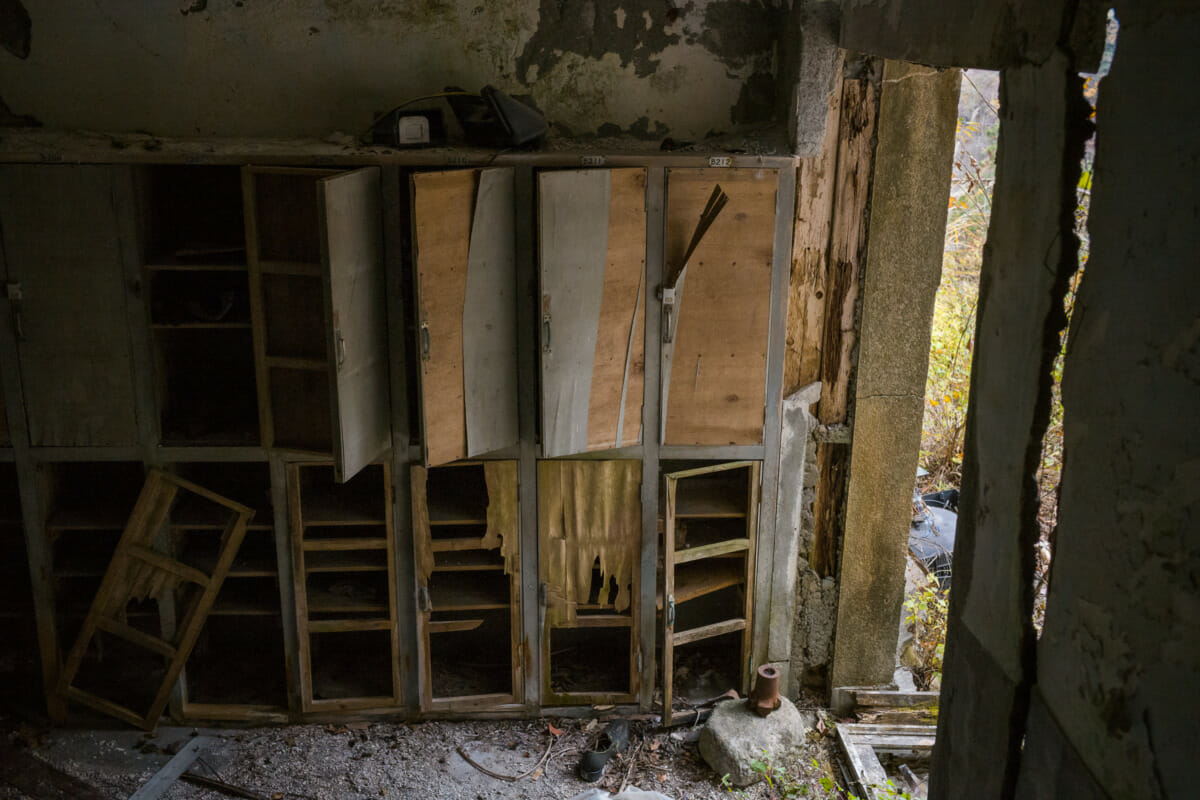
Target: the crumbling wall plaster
(647, 68)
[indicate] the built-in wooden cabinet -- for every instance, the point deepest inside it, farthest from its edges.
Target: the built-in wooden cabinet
(464, 356)
(464, 258)
(714, 347)
(711, 526)
(466, 542)
(345, 585)
(589, 541)
(592, 308)
(315, 246)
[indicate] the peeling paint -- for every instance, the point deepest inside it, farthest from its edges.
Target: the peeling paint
(756, 101)
(591, 28)
(737, 32)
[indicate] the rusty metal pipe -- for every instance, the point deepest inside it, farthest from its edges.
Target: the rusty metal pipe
(764, 698)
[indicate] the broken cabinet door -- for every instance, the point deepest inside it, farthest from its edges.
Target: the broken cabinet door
(708, 567)
(714, 351)
(315, 248)
(350, 207)
(592, 252)
(464, 251)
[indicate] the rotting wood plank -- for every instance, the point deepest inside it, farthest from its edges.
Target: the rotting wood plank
(709, 631)
(716, 389)
(443, 207)
(810, 256)
(847, 253)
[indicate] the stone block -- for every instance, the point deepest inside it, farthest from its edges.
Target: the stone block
(734, 736)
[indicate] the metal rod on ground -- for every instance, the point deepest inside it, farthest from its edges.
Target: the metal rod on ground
(510, 778)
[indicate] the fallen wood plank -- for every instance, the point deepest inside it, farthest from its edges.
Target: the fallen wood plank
(162, 780)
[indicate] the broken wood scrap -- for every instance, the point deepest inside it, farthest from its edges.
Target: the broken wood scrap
(162, 780)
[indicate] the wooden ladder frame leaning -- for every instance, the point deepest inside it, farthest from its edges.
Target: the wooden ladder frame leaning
(137, 572)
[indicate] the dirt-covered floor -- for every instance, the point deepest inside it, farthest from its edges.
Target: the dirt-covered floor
(398, 760)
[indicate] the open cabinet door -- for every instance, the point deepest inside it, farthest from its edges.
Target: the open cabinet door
(714, 351)
(592, 245)
(464, 251)
(708, 564)
(351, 217)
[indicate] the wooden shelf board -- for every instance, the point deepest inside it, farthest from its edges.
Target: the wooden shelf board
(87, 520)
(452, 545)
(162, 265)
(326, 545)
(707, 498)
(321, 601)
(196, 326)
(706, 579)
(345, 561)
(461, 520)
(291, 362)
(459, 592)
(468, 560)
(709, 631)
(300, 268)
(710, 550)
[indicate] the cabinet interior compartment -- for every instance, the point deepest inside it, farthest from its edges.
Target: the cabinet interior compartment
(193, 215)
(351, 665)
(470, 594)
(20, 672)
(300, 409)
(239, 658)
(285, 208)
(590, 660)
(294, 316)
(206, 386)
(345, 587)
(705, 607)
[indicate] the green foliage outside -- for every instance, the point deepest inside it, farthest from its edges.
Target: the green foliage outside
(813, 782)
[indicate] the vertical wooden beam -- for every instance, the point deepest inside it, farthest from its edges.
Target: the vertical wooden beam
(525, 219)
(847, 251)
(287, 585)
(656, 221)
(395, 246)
(785, 199)
(810, 256)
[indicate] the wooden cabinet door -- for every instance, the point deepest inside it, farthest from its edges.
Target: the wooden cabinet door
(351, 216)
(464, 251)
(62, 245)
(592, 253)
(714, 368)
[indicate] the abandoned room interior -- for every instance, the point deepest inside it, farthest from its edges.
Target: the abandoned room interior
(603, 394)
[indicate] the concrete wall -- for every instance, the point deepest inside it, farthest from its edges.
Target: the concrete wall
(911, 186)
(646, 68)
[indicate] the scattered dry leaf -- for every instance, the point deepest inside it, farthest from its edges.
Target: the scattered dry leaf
(554, 730)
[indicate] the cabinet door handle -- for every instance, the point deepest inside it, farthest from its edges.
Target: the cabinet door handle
(671, 612)
(426, 344)
(423, 598)
(546, 333)
(341, 348)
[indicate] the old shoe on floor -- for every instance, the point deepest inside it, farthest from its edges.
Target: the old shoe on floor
(611, 742)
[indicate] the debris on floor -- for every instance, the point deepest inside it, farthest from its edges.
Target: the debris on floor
(433, 760)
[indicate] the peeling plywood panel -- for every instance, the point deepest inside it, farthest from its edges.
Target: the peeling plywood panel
(489, 318)
(442, 209)
(716, 387)
(587, 510)
(592, 239)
